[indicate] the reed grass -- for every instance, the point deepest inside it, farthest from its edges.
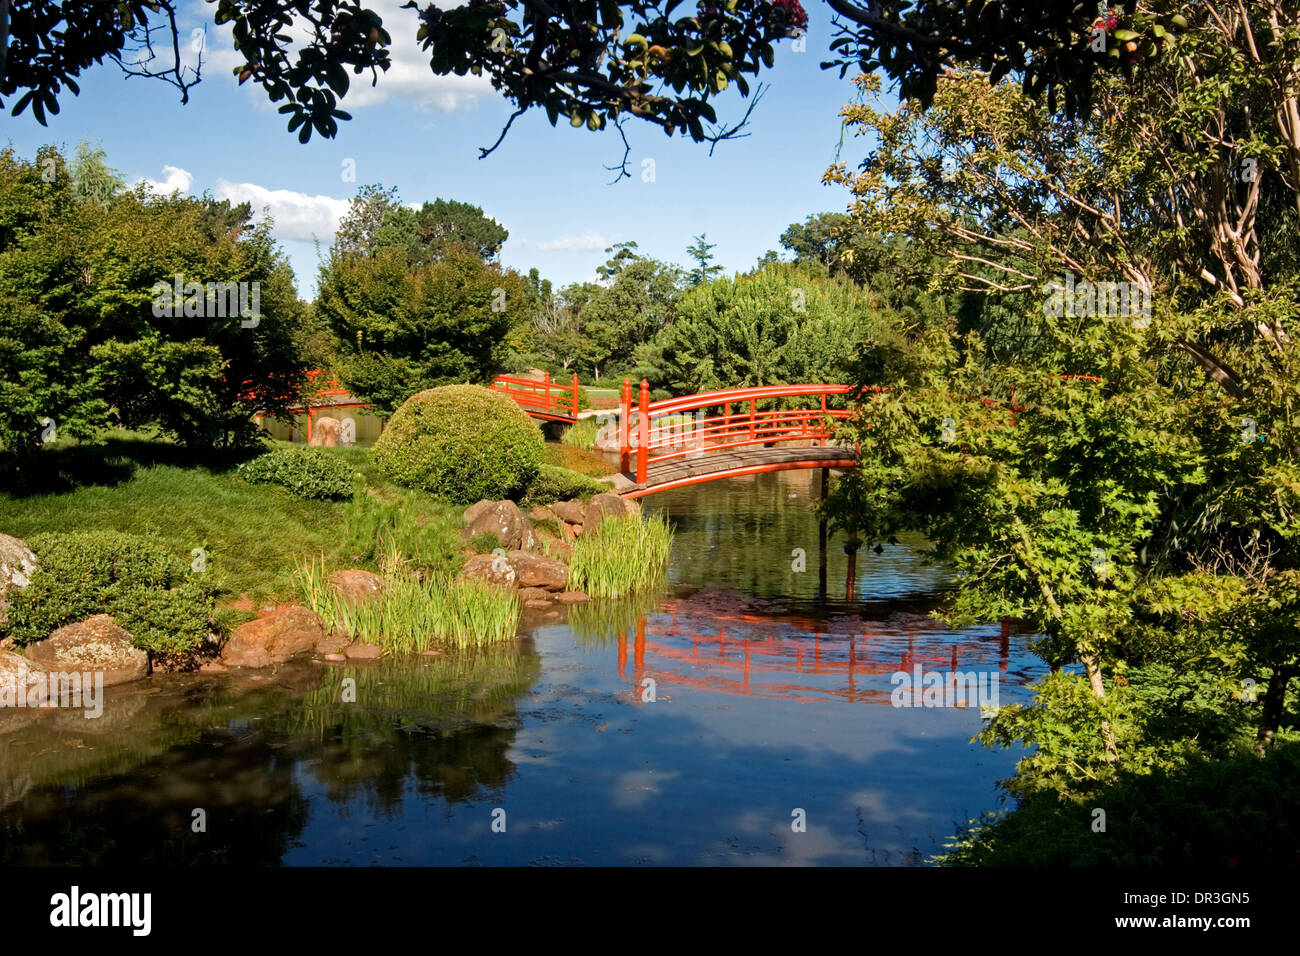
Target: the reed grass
(622, 555)
(414, 613)
(581, 434)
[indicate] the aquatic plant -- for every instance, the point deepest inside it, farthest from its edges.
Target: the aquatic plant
(415, 613)
(621, 555)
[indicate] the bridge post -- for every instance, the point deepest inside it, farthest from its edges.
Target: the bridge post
(753, 410)
(643, 433)
(624, 422)
(575, 396)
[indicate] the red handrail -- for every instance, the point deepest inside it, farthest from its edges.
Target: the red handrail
(728, 430)
(540, 397)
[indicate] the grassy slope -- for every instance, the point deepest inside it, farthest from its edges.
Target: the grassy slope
(253, 534)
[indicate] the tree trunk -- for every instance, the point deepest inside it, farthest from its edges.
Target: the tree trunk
(1274, 704)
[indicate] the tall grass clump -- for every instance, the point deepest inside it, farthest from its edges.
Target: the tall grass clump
(413, 614)
(621, 555)
(425, 533)
(581, 434)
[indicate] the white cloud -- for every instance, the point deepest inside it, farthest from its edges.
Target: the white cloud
(591, 242)
(408, 76)
(296, 215)
(174, 179)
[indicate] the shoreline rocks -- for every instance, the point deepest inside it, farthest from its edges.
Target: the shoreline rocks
(96, 644)
(286, 632)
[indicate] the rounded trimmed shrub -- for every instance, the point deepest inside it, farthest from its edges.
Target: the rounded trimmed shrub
(306, 472)
(461, 442)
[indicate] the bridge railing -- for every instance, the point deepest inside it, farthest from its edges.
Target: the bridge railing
(543, 398)
(664, 430)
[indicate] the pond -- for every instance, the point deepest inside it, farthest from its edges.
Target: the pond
(743, 716)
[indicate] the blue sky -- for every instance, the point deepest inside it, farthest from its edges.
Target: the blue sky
(420, 133)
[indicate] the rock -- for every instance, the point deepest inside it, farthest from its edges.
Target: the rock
(574, 512)
(17, 562)
(95, 644)
(284, 633)
(534, 594)
(569, 531)
(633, 506)
(336, 658)
(326, 431)
(537, 604)
(491, 568)
(476, 509)
(431, 653)
(572, 597)
(576, 529)
(363, 652)
(602, 506)
(541, 514)
(213, 667)
(356, 586)
(505, 520)
(332, 643)
(560, 550)
(534, 571)
(16, 677)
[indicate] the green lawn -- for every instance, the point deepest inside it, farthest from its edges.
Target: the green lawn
(254, 535)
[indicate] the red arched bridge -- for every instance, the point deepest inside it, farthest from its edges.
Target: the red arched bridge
(695, 438)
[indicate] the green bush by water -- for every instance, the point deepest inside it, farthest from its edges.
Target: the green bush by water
(307, 472)
(422, 531)
(414, 614)
(553, 483)
(621, 555)
(150, 592)
(462, 443)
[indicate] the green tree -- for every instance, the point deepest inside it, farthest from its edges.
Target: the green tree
(704, 270)
(783, 324)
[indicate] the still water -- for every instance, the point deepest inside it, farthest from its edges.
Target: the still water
(743, 716)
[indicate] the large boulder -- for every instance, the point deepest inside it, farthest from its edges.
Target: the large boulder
(534, 571)
(19, 675)
(326, 431)
(356, 586)
(574, 512)
(505, 520)
(96, 644)
(284, 633)
(602, 506)
(17, 562)
(491, 568)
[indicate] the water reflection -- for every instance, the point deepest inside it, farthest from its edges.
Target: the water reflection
(759, 685)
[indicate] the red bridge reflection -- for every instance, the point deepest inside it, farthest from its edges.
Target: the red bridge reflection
(811, 662)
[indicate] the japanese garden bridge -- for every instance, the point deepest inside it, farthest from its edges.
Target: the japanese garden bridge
(696, 438)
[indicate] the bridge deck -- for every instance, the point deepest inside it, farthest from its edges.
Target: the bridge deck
(690, 469)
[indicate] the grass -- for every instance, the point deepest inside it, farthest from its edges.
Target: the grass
(621, 556)
(583, 461)
(413, 613)
(581, 434)
(253, 535)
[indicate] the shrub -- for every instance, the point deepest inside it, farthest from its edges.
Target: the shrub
(422, 532)
(460, 442)
(148, 591)
(306, 472)
(553, 483)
